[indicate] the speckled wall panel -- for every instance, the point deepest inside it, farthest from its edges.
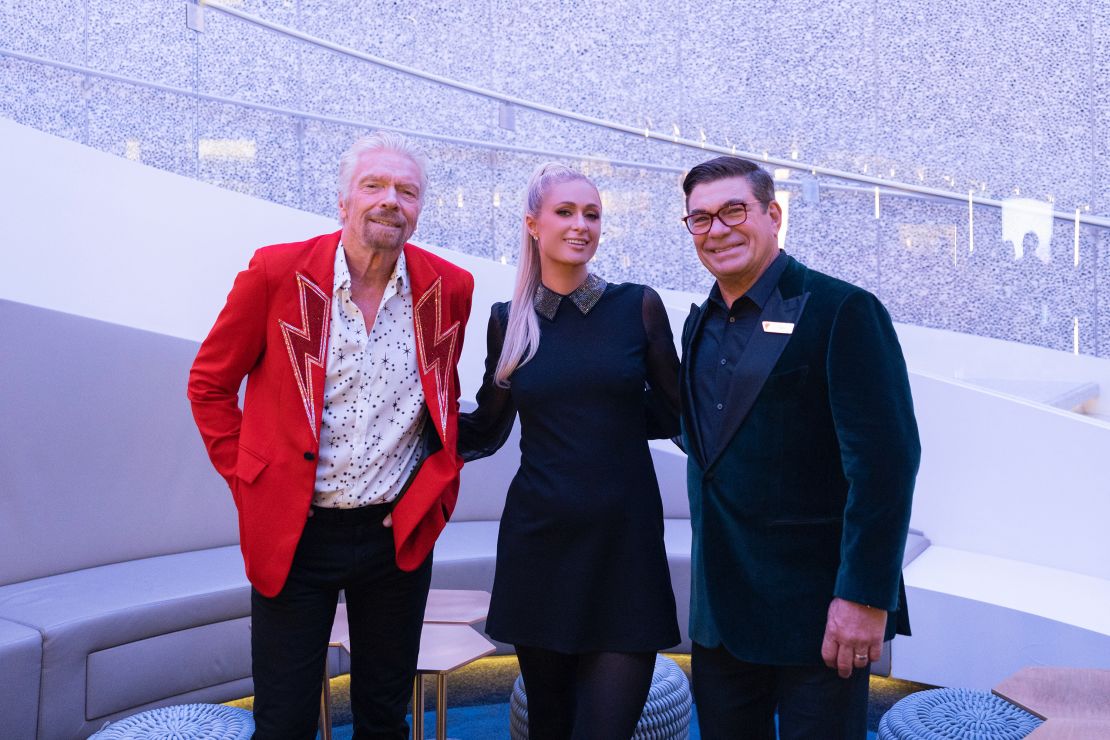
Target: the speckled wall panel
(51, 100)
(1011, 99)
(986, 93)
(1098, 94)
(457, 212)
(931, 276)
(922, 249)
(1101, 307)
(242, 61)
(250, 152)
(596, 58)
(1099, 87)
(449, 39)
(154, 128)
(643, 238)
(836, 235)
(323, 144)
(144, 39)
(546, 132)
(792, 77)
(54, 30)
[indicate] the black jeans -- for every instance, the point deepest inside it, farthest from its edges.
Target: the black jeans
(736, 700)
(350, 550)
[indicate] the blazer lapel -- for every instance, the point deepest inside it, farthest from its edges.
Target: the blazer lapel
(690, 331)
(437, 339)
(304, 326)
(760, 356)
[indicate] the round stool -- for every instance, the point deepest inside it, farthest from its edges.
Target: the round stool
(942, 714)
(666, 713)
(183, 722)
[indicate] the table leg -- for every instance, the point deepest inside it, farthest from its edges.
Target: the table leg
(441, 706)
(418, 707)
(325, 706)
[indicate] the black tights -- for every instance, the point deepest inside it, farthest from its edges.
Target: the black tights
(592, 695)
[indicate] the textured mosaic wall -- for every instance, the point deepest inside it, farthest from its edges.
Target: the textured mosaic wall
(1010, 99)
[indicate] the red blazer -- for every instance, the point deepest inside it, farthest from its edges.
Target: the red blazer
(274, 332)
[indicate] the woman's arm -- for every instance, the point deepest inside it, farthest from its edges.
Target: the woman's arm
(661, 360)
(485, 429)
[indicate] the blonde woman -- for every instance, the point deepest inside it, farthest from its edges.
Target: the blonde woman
(582, 588)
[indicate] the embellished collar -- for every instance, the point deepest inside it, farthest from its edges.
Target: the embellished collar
(585, 297)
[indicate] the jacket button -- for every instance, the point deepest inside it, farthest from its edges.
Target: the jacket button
(309, 456)
(708, 477)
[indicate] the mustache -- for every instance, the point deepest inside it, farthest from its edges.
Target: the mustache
(386, 218)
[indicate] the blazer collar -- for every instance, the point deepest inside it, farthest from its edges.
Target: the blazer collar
(784, 306)
(318, 263)
(438, 337)
(690, 332)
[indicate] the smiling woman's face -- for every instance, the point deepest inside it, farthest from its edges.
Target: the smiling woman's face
(568, 225)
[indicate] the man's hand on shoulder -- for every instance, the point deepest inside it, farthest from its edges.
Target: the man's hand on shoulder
(853, 636)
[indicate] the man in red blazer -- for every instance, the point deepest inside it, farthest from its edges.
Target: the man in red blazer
(342, 461)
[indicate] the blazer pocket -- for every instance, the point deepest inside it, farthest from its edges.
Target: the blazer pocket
(249, 465)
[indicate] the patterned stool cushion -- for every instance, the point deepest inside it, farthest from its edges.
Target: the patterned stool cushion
(183, 722)
(666, 713)
(944, 714)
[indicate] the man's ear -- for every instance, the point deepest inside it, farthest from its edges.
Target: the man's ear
(774, 210)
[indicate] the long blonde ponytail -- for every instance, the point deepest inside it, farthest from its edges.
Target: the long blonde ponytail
(522, 335)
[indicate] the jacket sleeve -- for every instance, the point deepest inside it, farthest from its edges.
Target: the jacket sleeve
(872, 410)
(233, 347)
(485, 429)
(661, 362)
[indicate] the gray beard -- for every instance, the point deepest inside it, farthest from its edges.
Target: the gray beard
(381, 238)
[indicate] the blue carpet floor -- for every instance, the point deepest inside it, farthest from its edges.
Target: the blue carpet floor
(485, 722)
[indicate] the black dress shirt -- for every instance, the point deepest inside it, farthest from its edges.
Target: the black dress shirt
(718, 347)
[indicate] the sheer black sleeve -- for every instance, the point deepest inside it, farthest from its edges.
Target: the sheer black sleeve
(485, 429)
(661, 395)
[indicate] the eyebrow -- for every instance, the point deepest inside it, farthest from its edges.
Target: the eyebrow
(572, 203)
(381, 177)
(726, 204)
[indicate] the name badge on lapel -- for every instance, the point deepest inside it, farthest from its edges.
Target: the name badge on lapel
(778, 327)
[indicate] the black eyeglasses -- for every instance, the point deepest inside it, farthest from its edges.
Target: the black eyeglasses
(732, 214)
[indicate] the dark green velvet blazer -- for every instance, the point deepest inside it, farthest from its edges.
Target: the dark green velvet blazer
(805, 495)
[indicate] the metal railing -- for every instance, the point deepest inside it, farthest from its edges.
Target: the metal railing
(863, 184)
(886, 190)
(875, 182)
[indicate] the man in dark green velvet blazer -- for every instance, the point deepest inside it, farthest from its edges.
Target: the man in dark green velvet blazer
(803, 450)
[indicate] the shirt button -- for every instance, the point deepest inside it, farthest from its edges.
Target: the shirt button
(720, 406)
(723, 361)
(309, 456)
(732, 319)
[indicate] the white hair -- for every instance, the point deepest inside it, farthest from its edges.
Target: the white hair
(374, 141)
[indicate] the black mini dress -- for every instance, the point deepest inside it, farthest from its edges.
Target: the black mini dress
(581, 564)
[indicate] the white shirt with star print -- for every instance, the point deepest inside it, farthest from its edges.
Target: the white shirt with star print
(373, 401)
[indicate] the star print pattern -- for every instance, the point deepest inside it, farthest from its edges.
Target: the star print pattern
(373, 401)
